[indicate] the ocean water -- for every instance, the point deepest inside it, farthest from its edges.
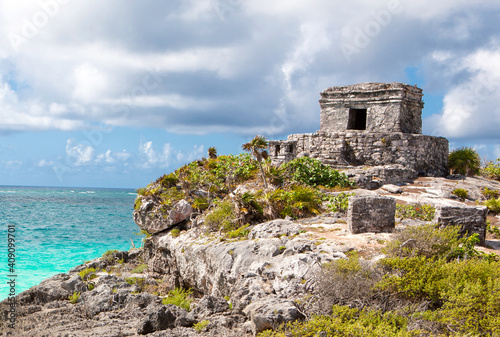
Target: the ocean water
(59, 228)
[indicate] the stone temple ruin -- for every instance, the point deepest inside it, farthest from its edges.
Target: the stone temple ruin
(373, 126)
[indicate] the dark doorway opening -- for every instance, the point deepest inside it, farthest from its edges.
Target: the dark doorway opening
(357, 119)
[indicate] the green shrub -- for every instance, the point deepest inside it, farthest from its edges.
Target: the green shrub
(169, 180)
(87, 274)
(175, 232)
(171, 196)
(142, 191)
(490, 194)
(464, 295)
(461, 193)
(179, 297)
(90, 286)
(201, 325)
(338, 203)
(250, 201)
(222, 217)
(419, 212)
(139, 281)
(464, 161)
(74, 298)
(427, 241)
(137, 203)
(493, 230)
(345, 321)
(312, 172)
(493, 205)
(200, 203)
(492, 170)
(140, 268)
(297, 202)
(238, 233)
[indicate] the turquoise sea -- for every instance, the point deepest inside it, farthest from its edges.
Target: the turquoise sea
(59, 228)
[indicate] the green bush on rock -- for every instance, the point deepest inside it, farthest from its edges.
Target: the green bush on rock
(312, 172)
(464, 161)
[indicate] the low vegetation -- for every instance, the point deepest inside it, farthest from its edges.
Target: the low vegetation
(422, 212)
(464, 161)
(299, 189)
(73, 299)
(461, 193)
(179, 297)
(431, 283)
(492, 170)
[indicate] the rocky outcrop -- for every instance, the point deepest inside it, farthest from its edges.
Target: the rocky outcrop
(259, 275)
(151, 218)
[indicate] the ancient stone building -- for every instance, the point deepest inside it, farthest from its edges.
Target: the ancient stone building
(369, 124)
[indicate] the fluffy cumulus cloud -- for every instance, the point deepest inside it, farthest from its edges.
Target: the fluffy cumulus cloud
(472, 106)
(240, 66)
(150, 157)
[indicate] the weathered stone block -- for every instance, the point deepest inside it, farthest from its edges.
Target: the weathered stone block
(367, 214)
(471, 219)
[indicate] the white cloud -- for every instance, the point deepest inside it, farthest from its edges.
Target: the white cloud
(151, 158)
(472, 106)
(225, 65)
(90, 83)
(79, 154)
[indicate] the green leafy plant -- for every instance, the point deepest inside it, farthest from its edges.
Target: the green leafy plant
(238, 233)
(200, 203)
(175, 232)
(345, 321)
(143, 232)
(87, 274)
(139, 281)
(464, 161)
(296, 202)
(142, 191)
(493, 230)
(212, 152)
(493, 205)
(179, 297)
(312, 172)
(461, 193)
(492, 170)
(169, 180)
(257, 147)
(338, 203)
(491, 194)
(140, 268)
(420, 212)
(90, 286)
(201, 325)
(222, 217)
(74, 298)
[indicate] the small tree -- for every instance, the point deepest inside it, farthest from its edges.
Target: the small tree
(257, 147)
(212, 152)
(464, 161)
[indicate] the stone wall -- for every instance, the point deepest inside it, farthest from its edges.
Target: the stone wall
(389, 107)
(426, 155)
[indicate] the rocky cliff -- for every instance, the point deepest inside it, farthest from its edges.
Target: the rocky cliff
(244, 270)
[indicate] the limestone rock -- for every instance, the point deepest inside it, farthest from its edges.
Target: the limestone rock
(471, 219)
(210, 305)
(274, 228)
(160, 317)
(392, 189)
(152, 220)
(268, 313)
(371, 214)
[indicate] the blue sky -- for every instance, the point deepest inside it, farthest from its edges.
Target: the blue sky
(114, 93)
